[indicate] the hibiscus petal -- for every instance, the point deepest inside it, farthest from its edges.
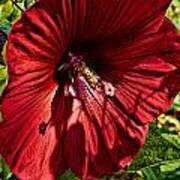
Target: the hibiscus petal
(32, 54)
(146, 72)
(103, 20)
(97, 138)
(58, 24)
(26, 104)
(97, 21)
(39, 34)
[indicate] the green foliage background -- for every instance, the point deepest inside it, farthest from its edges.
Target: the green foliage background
(160, 157)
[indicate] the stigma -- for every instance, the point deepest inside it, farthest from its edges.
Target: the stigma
(76, 68)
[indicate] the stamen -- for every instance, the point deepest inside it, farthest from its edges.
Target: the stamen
(75, 60)
(78, 68)
(94, 80)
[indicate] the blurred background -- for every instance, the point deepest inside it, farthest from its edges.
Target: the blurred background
(160, 157)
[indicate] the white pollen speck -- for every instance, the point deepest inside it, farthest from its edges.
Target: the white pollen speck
(69, 91)
(109, 89)
(72, 91)
(66, 90)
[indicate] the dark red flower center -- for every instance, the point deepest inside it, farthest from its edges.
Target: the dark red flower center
(74, 67)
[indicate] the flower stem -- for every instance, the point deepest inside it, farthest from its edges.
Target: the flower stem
(16, 4)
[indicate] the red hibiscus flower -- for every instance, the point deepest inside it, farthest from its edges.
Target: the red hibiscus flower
(85, 79)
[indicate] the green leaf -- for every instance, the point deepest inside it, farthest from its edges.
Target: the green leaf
(164, 170)
(149, 174)
(3, 73)
(173, 13)
(173, 166)
(28, 3)
(173, 139)
(3, 78)
(14, 15)
(4, 170)
(68, 175)
(3, 1)
(5, 11)
(176, 104)
(5, 27)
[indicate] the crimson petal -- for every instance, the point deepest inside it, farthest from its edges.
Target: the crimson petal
(26, 104)
(143, 72)
(96, 138)
(32, 54)
(101, 20)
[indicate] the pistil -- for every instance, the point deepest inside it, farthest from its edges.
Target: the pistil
(77, 67)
